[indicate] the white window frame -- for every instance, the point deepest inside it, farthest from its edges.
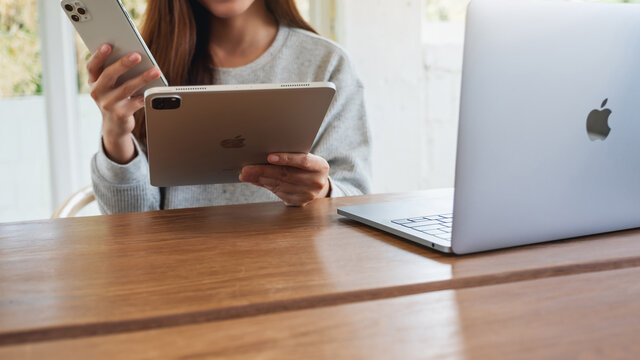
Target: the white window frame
(322, 14)
(60, 85)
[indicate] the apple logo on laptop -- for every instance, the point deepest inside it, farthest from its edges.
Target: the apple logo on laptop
(235, 143)
(598, 123)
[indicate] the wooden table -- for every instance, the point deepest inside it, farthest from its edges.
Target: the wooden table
(587, 316)
(79, 280)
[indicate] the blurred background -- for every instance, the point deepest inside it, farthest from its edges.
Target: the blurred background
(407, 53)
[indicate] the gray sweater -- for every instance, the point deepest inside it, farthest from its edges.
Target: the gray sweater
(343, 140)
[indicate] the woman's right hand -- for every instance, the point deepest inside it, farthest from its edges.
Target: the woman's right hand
(117, 103)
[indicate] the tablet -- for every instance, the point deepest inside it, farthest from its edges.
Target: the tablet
(206, 134)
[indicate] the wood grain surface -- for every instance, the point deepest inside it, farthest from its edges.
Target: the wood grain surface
(99, 275)
(588, 316)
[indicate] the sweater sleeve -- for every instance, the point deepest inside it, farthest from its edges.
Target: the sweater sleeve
(123, 188)
(344, 139)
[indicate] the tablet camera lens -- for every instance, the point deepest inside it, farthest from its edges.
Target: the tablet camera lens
(75, 18)
(81, 11)
(166, 103)
(68, 7)
(175, 103)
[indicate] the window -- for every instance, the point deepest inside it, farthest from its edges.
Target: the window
(25, 180)
(20, 47)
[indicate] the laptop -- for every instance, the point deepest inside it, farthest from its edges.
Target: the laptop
(549, 131)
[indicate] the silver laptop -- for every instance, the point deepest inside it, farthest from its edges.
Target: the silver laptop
(549, 132)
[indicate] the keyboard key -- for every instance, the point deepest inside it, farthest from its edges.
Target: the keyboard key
(428, 224)
(446, 237)
(425, 222)
(401, 221)
(426, 227)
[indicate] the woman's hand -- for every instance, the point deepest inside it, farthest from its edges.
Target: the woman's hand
(116, 102)
(297, 179)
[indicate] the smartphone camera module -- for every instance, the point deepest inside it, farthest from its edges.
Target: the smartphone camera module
(166, 103)
(76, 10)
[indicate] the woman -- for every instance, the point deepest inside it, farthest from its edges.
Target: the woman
(200, 42)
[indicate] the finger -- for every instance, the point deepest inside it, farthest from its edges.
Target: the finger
(131, 105)
(110, 75)
(291, 194)
(126, 108)
(127, 89)
(96, 62)
(301, 161)
(313, 180)
(276, 186)
(295, 200)
(291, 198)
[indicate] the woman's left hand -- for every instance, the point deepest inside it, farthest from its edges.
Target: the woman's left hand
(297, 179)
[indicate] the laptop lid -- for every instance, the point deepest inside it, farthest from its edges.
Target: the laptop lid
(543, 82)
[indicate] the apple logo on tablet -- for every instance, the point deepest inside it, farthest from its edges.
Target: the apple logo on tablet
(235, 143)
(598, 123)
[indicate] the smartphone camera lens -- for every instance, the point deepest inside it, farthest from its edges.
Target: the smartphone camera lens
(68, 7)
(166, 103)
(75, 17)
(81, 11)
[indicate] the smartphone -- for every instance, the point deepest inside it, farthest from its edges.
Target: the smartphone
(107, 22)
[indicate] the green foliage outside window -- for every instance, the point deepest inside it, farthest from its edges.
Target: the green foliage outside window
(21, 68)
(21, 71)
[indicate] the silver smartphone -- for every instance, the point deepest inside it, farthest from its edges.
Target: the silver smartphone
(206, 134)
(107, 22)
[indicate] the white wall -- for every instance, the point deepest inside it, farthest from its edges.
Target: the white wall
(25, 177)
(383, 38)
(443, 47)
(25, 186)
(411, 72)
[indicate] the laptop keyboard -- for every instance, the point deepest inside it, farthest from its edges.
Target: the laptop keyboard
(434, 225)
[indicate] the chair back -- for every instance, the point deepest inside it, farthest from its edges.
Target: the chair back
(75, 203)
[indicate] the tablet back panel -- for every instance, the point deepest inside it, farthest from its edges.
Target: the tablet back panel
(219, 129)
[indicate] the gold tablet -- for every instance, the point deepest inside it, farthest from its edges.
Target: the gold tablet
(206, 134)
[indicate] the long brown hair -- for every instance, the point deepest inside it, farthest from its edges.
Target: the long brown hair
(178, 31)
